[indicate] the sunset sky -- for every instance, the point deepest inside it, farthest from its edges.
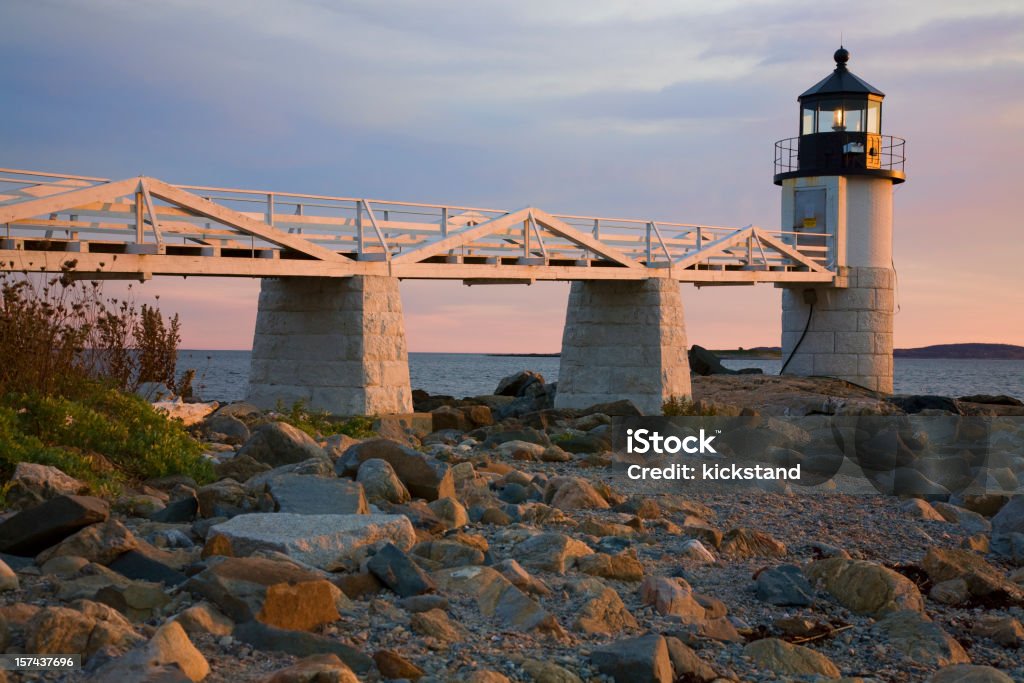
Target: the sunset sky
(663, 110)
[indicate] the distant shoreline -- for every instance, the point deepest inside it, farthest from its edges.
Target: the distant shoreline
(966, 351)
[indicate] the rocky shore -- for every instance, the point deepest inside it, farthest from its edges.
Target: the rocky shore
(494, 539)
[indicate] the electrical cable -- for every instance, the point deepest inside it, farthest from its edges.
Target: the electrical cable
(792, 353)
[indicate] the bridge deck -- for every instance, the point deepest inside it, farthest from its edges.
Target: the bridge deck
(140, 227)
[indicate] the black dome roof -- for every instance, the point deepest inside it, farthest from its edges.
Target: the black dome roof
(842, 81)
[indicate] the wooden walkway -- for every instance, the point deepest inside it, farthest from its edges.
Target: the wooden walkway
(140, 227)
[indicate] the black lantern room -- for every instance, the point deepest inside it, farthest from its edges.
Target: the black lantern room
(840, 131)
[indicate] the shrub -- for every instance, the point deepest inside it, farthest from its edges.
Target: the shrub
(57, 333)
(71, 357)
(684, 406)
(320, 424)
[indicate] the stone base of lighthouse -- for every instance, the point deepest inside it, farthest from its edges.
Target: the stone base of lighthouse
(850, 331)
(623, 340)
(338, 344)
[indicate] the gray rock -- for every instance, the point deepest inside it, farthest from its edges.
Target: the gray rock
(31, 484)
(424, 476)
(517, 384)
(278, 443)
(784, 585)
(398, 572)
(1009, 546)
(35, 529)
(306, 495)
(969, 673)
(704, 362)
(1010, 519)
(235, 431)
(300, 644)
(140, 566)
(177, 511)
(550, 551)
(920, 640)
(380, 482)
(635, 660)
(326, 541)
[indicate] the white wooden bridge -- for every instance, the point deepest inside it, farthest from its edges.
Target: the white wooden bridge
(140, 227)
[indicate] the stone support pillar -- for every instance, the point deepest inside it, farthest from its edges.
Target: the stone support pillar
(850, 332)
(338, 344)
(623, 340)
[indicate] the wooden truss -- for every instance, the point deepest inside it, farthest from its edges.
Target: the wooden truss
(139, 227)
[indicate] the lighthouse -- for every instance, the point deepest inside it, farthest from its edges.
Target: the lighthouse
(837, 178)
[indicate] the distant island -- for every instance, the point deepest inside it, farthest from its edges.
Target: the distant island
(977, 351)
(986, 351)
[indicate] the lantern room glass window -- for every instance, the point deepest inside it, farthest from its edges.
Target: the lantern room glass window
(831, 116)
(874, 116)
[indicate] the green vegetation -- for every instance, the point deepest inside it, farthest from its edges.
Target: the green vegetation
(321, 424)
(102, 436)
(71, 360)
(683, 406)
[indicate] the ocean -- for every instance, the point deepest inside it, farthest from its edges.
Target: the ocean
(224, 375)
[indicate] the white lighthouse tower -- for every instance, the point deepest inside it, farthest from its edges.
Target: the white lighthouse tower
(837, 181)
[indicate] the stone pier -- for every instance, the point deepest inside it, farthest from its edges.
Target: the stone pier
(850, 332)
(623, 340)
(336, 343)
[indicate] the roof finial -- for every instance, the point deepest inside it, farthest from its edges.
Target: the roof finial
(842, 56)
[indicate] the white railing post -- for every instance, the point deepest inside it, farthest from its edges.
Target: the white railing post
(359, 227)
(444, 221)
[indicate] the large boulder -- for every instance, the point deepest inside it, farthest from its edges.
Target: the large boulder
(397, 571)
(90, 628)
(865, 587)
(301, 644)
(496, 597)
(784, 585)
(982, 579)
(35, 529)
(101, 543)
(328, 542)
(577, 493)
(380, 482)
(969, 673)
(603, 612)
(168, 653)
(517, 384)
(278, 443)
(424, 476)
(309, 495)
(742, 543)
(32, 484)
(227, 428)
(227, 498)
(671, 596)
(325, 668)
(550, 551)
(275, 593)
(704, 362)
(919, 640)
(635, 660)
(1010, 518)
(780, 657)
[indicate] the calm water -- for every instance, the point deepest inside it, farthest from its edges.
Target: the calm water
(223, 375)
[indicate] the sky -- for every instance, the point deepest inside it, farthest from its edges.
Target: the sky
(662, 110)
